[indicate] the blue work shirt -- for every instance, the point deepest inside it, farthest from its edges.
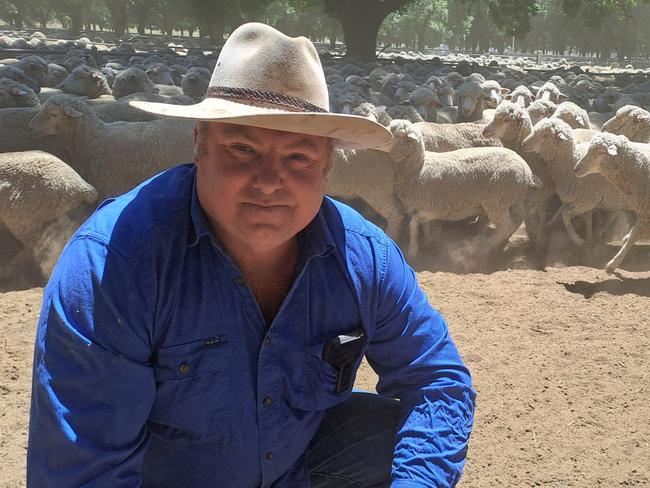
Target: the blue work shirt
(154, 366)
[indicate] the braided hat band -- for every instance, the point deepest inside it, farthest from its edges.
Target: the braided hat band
(279, 99)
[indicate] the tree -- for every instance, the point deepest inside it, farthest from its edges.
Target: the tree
(512, 17)
(360, 21)
(119, 17)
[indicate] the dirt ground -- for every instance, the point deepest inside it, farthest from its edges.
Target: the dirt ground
(559, 358)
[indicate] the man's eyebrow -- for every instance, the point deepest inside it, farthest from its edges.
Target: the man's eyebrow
(240, 132)
(305, 144)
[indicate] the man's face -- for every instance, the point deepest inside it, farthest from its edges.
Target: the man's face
(259, 187)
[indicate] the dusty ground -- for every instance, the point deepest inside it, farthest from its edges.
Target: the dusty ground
(559, 358)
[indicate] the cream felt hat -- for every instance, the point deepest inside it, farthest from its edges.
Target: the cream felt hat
(266, 79)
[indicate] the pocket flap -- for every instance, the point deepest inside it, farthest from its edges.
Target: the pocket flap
(191, 359)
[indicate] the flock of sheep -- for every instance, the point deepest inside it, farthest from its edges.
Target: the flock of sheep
(496, 143)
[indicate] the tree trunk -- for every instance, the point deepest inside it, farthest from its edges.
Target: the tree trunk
(216, 30)
(360, 21)
(119, 17)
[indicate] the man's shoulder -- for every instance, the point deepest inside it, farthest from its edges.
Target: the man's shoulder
(158, 206)
(342, 218)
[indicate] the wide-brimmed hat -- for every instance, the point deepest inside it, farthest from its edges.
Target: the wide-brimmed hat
(266, 79)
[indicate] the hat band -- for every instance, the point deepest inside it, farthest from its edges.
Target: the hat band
(285, 101)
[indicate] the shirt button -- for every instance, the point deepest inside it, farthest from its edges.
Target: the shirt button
(267, 401)
(267, 341)
(269, 456)
(240, 281)
(184, 368)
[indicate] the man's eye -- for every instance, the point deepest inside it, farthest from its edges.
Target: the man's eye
(299, 158)
(241, 148)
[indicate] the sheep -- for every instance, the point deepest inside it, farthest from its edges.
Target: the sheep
(448, 137)
(113, 157)
(160, 74)
(368, 175)
(14, 94)
(540, 109)
(458, 184)
(132, 80)
(630, 121)
(15, 136)
(120, 110)
(35, 67)
(55, 75)
(404, 112)
(87, 82)
(576, 117)
(548, 91)
(425, 101)
(555, 142)
(492, 93)
(37, 189)
(521, 95)
(470, 102)
(626, 165)
(195, 83)
(378, 114)
(15, 73)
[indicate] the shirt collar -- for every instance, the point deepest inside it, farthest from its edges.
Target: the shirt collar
(314, 240)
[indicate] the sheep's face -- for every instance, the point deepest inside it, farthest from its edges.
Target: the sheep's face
(85, 82)
(52, 119)
(601, 157)
(543, 134)
(16, 95)
(629, 121)
(507, 120)
(407, 141)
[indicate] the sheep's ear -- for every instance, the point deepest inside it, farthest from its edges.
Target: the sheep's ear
(612, 150)
(562, 97)
(71, 112)
(580, 119)
(505, 91)
(508, 97)
(562, 135)
(18, 92)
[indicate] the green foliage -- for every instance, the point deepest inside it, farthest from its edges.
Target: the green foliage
(512, 17)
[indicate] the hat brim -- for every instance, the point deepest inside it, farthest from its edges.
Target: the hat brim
(348, 131)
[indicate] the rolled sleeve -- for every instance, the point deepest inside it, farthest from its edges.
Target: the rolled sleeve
(93, 386)
(418, 363)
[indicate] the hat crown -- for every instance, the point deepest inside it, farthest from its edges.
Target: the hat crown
(259, 57)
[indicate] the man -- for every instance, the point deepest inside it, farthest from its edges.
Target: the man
(204, 329)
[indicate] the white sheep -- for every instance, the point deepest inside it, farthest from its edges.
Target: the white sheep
(573, 115)
(540, 109)
(367, 175)
(557, 146)
(114, 157)
(448, 137)
(630, 121)
(626, 165)
(456, 185)
(37, 190)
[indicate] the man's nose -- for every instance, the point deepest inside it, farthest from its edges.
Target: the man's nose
(270, 176)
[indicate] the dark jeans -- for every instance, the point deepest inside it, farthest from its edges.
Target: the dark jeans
(353, 447)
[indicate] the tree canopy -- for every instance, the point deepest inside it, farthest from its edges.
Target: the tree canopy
(599, 27)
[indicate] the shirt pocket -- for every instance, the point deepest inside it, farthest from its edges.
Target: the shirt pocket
(193, 386)
(318, 381)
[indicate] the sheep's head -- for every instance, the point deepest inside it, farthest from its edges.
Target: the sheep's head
(55, 115)
(424, 100)
(407, 143)
(492, 93)
(508, 119)
(573, 115)
(86, 81)
(132, 80)
(13, 94)
(547, 133)
(540, 109)
(521, 95)
(548, 91)
(601, 156)
(35, 67)
(446, 95)
(470, 94)
(630, 121)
